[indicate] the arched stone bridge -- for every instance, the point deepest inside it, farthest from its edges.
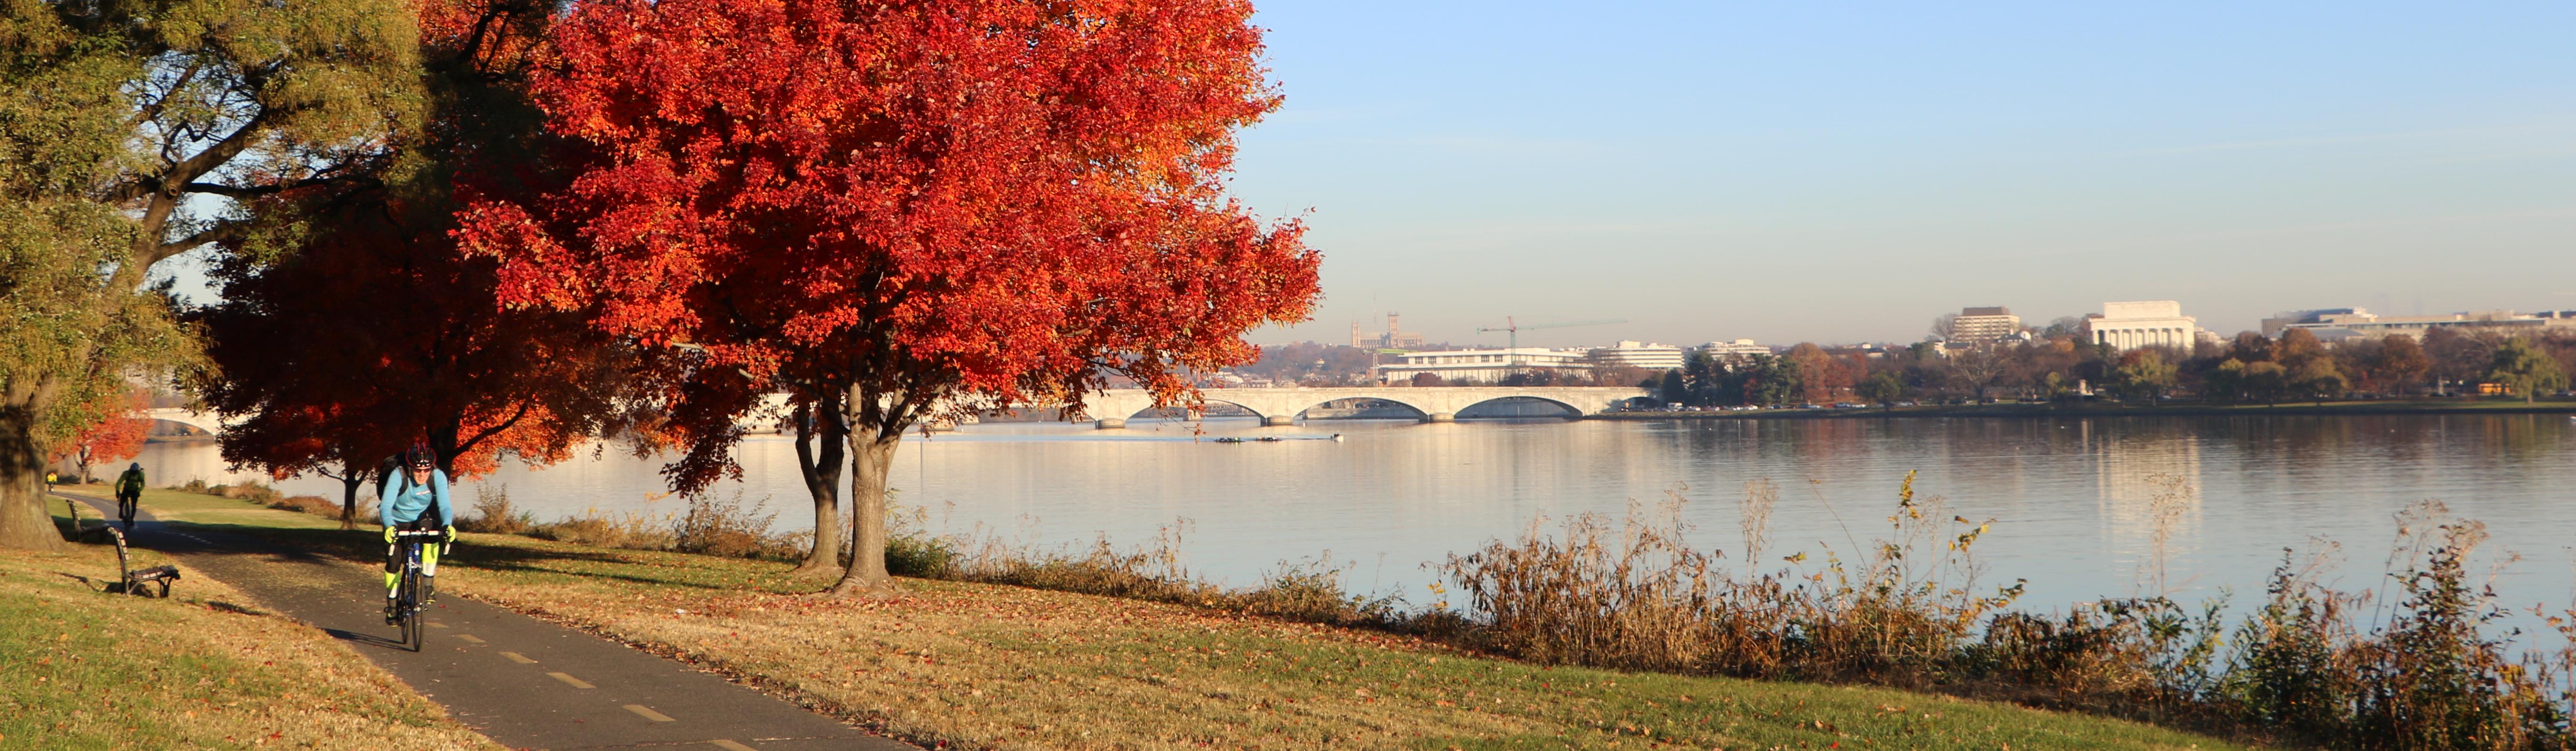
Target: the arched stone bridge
(206, 421)
(1280, 406)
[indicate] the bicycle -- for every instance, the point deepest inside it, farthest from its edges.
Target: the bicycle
(407, 596)
(125, 505)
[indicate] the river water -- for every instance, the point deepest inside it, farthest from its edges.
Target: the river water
(2075, 501)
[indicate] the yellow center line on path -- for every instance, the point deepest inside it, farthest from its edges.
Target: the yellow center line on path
(470, 638)
(569, 680)
(648, 713)
(730, 746)
(518, 658)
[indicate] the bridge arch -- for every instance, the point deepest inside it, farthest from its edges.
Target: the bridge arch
(1562, 409)
(211, 424)
(1152, 412)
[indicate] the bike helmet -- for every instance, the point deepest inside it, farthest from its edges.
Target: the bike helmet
(420, 457)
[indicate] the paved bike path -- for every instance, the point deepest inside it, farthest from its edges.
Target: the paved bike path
(524, 682)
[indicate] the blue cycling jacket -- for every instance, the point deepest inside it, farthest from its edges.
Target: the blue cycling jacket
(404, 501)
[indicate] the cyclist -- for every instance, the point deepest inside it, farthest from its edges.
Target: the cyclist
(129, 493)
(407, 505)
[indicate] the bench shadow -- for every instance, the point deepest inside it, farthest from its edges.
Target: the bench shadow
(92, 584)
(235, 609)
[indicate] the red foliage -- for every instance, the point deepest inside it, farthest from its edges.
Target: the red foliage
(116, 437)
(934, 207)
(373, 330)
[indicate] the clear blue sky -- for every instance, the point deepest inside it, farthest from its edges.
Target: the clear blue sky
(1840, 172)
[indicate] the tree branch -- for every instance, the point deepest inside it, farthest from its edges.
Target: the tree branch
(163, 252)
(468, 444)
(255, 191)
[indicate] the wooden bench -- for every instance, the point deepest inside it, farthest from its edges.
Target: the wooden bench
(79, 532)
(134, 582)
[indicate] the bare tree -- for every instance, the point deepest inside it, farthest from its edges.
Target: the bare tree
(1946, 326)
(1978, 369)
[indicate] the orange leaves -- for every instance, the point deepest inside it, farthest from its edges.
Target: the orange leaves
(997, 201)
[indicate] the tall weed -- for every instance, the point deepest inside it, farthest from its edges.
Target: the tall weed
(2427, 675)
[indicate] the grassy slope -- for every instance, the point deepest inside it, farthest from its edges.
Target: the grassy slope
(989, 666)
(205, 669)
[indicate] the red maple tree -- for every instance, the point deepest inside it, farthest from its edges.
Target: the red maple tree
(927, 208)
(355, 326)
(116, 437)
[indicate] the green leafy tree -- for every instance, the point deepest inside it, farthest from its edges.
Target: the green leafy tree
(2318, 379)
(1703, 376)
(2225, 382)
(1769, 380)
(1883, 387)
(1671, 389)
(2146, 374)
(126, 129)
(2266, 381)
(2524, 368)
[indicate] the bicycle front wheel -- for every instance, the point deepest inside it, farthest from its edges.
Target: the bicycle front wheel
(409, 605)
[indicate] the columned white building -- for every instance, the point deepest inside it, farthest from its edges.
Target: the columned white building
(1487, 365)
(2147, 323)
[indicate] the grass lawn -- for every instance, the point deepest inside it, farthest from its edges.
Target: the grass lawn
(83, 669)
(1003, 667)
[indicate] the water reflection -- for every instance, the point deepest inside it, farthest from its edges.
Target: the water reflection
(2075, 499)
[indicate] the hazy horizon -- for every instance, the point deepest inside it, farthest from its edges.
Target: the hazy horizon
(1842, 174)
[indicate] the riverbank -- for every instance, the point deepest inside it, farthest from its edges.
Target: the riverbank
(206, 668)
(989, 666)
(2114, 409)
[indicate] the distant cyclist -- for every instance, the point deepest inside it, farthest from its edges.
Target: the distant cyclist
(407, 505)
(129, 493)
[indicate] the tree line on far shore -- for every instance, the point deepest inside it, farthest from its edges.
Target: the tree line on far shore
(2252, 368)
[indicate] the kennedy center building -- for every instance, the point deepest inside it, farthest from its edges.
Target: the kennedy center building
(2150, 323)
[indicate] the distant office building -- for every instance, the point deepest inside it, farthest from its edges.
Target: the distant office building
(2147, 323)
(1979, 325)
(2335, 324)
(1738, 350)
(1653, 357)
(2281, 321)
(1487, 365)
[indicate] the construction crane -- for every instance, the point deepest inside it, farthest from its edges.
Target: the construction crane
(1515, 328)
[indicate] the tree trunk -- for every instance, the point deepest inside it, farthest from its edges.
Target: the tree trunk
(821, 466)
(24, 524)
(872, 457)
(350, 479)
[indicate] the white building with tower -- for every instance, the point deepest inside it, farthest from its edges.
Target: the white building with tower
(2145, 323)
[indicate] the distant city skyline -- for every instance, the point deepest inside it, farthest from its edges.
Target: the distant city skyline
(1845, 174)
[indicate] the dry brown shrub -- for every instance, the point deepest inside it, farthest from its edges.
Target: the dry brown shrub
(310, 504)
